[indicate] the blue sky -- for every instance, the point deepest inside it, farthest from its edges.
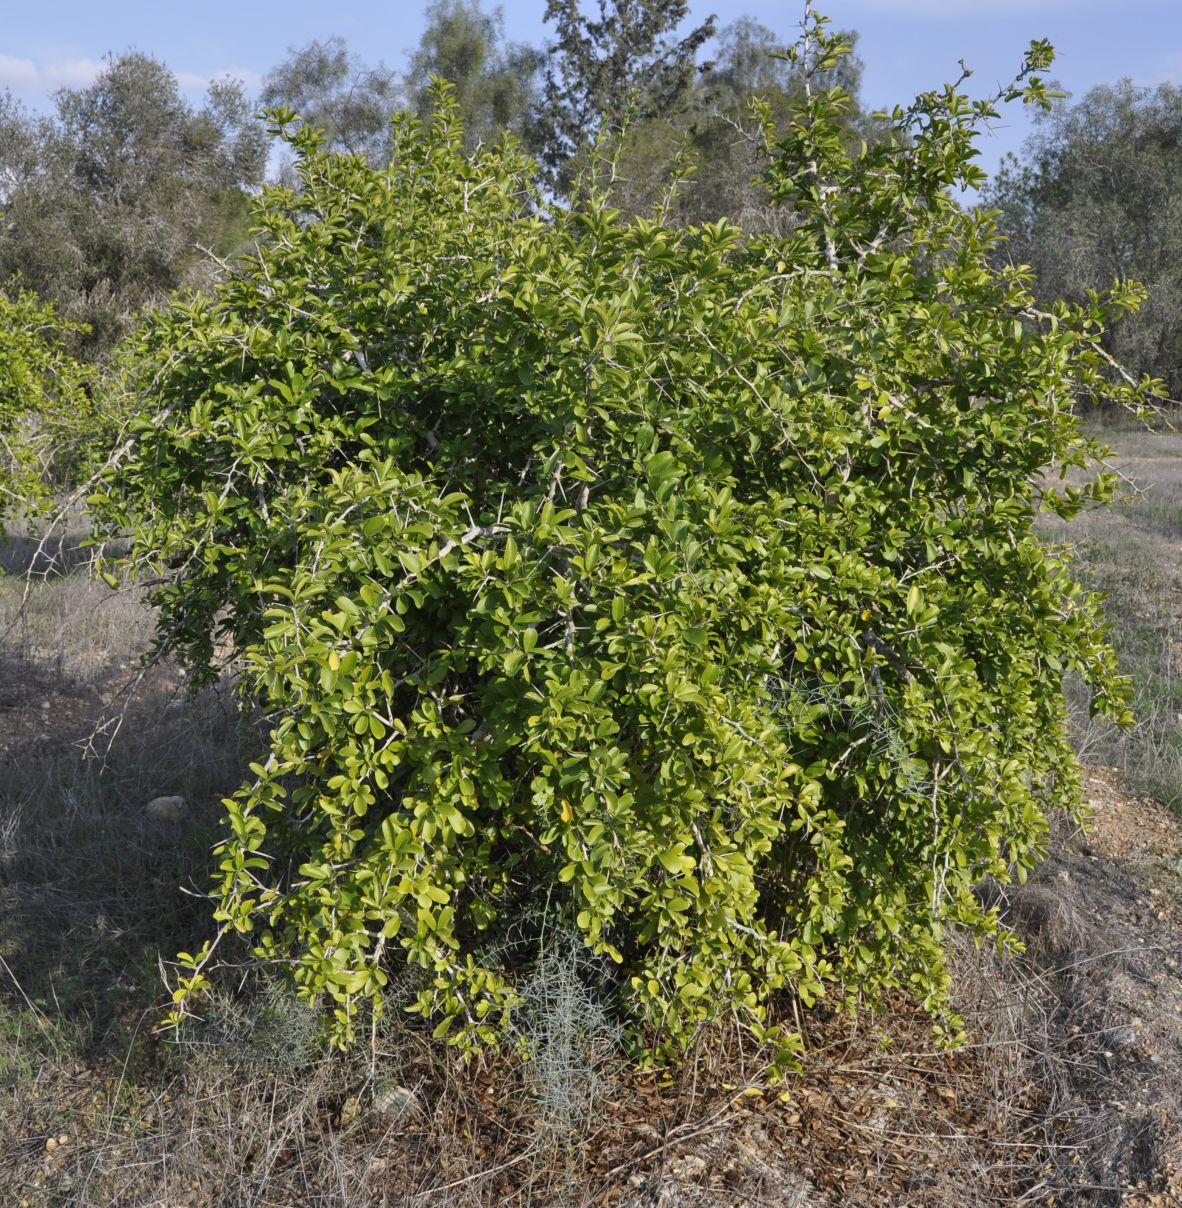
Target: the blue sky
(907, 45)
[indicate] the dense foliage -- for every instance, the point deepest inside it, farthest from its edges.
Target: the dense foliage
(43, 402)
(670, 584)
(1095, 199)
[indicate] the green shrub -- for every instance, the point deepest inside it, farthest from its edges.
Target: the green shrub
(42, 400)
(672, 585)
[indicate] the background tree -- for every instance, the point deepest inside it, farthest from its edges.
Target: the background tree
(334, 91)
(596, 69)
(728, 140)
(1094, 198)
(494, 82)
(107, 207)
(21, 134)
(724, 136)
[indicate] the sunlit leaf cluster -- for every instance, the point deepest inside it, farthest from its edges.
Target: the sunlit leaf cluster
(42, 399)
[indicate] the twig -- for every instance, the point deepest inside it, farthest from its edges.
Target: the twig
(472, 1178)
(679, 1139)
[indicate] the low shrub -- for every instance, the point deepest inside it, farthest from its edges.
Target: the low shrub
(41, 401)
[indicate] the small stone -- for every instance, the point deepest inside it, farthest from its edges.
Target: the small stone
(63, 1139)
(169, 809)
(689, 1166)
(51, 1144)
(395, 1102)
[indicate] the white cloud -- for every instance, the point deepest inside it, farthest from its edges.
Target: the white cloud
(76, 73)
(20, 74)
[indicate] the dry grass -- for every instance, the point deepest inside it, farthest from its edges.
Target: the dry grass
(59, 626)
(1133, 554)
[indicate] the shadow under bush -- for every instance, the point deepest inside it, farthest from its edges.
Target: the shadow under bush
(92, 889)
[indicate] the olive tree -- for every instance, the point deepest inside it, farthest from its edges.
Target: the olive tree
(122, 195)
(494, 81)
(336, 92)
(1094, 197)
(673, 586)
